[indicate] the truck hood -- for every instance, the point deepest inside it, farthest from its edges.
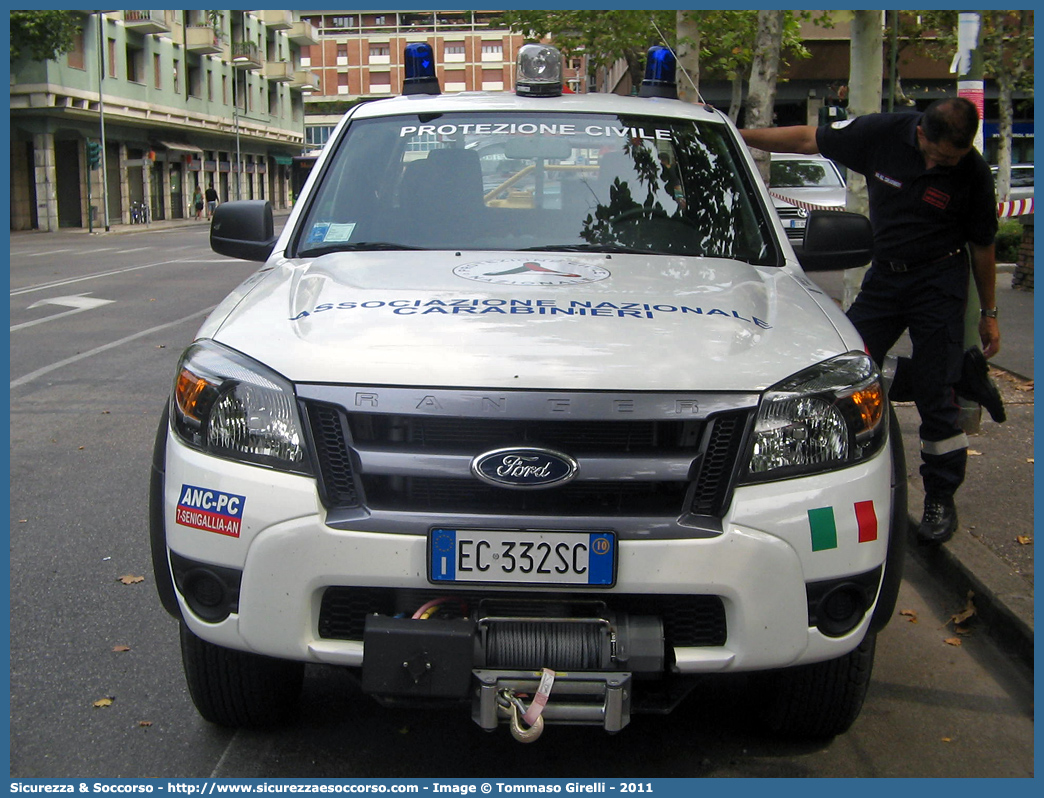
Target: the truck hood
(532, 321)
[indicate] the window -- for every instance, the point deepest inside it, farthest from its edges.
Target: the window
(306, 55)
(318, 135)
(157, 71)
(224, 89)
(273, 103)
(135, 64)
(342, 82)
(210, 86)
(342, 50)
(378, 49)
(177, 76)
(195, 80)
(112, 58)
(75, 59)
(491, 48)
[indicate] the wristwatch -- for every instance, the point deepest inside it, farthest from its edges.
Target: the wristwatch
(989, 313)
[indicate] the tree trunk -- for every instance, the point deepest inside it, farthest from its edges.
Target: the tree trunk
(688, 52)
(761, 98)
(1004, 92)
(736, 99)
(865, 72)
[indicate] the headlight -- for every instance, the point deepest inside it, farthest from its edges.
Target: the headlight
(228, 405)
(827, 416)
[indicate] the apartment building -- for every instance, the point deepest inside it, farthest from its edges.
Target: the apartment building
(360, 56)
(183, 98)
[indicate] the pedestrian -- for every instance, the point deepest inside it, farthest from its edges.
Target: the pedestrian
(197, 202)
(212, 200)
(932, 203)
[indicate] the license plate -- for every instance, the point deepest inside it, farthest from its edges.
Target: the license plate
(522, 557)
(795, 222)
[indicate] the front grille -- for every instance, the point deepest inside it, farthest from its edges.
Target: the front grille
(420, 463)
(687, 620)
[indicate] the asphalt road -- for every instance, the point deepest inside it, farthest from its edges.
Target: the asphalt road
(97, 324)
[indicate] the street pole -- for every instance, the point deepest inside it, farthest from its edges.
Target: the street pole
(101, 119)
(235, 116)
(967, 63)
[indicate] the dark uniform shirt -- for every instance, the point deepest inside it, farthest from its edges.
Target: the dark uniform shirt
(917, 214)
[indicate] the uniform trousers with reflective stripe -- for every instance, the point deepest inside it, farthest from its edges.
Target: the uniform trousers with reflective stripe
(929, 302)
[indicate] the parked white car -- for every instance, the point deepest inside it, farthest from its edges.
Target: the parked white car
(811, 179)
(531, 409)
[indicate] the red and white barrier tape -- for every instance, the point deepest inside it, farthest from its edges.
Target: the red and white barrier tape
(1022, 207)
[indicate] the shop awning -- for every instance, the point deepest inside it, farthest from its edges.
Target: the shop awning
(282, 160)
(185, 148)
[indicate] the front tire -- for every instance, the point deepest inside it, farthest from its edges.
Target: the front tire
(236, 688)
(820, 700)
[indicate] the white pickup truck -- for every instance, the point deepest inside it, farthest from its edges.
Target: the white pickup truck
(531, 408)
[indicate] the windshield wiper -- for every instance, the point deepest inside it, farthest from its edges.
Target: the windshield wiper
(610, 248)
(361, 246)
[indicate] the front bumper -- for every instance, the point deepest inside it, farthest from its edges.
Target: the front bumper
(771, 546)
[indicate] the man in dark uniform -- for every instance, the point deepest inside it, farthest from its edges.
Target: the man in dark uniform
(932, 203)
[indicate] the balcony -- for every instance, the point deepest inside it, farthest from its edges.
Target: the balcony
(279, 71)
(202, 40)
(304, 80)
(277, 20)
(303, 34)
(246, 55)
(146, 22)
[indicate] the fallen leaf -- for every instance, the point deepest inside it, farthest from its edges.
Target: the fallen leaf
(120, 649)
(103, 702)
(130, 579)
(1026, 386)
(1029, 460)
(952, 641)
(947, 739)
(973, 453)
(966, 613)
(911, 614)
(964, 631)
(144, 722)
(82, 448)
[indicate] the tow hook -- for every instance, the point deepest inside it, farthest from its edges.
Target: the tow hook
(527, 724)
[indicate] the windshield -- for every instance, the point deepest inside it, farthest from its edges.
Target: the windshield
(520, 181)
(797, 174)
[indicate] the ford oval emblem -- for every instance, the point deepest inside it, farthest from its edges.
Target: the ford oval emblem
(524, 468)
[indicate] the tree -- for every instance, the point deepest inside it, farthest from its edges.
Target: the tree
(603, 36)
(730, 51)
(1006, 49)
(763, 75)
(43, 35)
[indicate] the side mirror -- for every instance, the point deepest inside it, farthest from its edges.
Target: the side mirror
(835, 240)
(243, 229)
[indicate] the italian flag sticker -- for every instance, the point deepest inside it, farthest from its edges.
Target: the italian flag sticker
(824, 528)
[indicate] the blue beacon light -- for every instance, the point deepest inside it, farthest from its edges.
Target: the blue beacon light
(419, 64)
(660, 79)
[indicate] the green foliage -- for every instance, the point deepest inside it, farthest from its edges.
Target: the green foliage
(1009, 237)
(43, 35)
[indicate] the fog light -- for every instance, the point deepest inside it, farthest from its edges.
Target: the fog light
(211, 591)
(841, 609)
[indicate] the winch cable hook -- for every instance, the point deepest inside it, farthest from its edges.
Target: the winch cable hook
(518, 731)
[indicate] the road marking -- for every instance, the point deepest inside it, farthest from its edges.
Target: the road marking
(71, 280)
(78, 302)
(135, 249)
(48, 252)
(32, 375)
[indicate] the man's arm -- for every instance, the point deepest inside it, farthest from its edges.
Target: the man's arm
(796, 138)
(984, 270)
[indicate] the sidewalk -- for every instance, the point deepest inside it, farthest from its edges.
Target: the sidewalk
(992, 552)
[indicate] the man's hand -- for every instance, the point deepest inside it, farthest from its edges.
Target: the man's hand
(989, 334)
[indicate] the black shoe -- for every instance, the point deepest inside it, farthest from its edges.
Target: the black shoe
(975, 384)
(939, 521)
